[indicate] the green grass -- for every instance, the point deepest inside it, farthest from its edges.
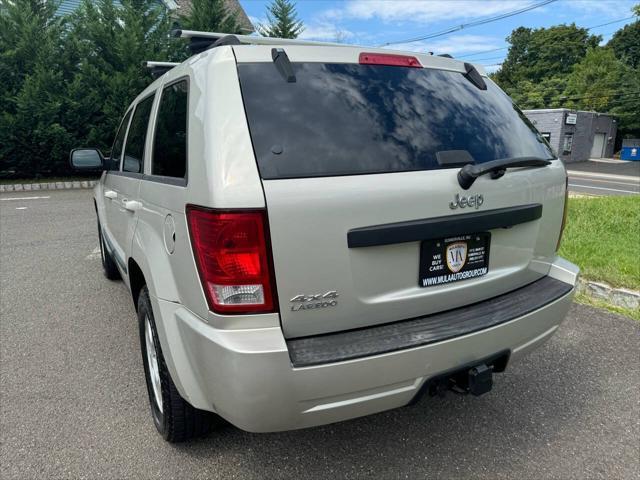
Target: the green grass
(602, 237)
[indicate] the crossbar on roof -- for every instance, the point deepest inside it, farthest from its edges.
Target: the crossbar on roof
(159, 68)
(248, 39)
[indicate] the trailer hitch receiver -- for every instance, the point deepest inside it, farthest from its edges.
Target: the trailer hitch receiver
(480, 379)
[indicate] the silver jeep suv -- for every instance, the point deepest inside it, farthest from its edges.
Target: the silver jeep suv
(313, 232)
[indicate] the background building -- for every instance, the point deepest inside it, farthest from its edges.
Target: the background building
(576, 136)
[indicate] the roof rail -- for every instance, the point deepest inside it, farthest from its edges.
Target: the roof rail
(200, 41)
(159, 68)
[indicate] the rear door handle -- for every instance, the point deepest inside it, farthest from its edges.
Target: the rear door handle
(132, 205)
(110, 194)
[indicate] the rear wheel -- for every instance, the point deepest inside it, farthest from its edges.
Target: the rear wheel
(109, 266)
(175, 419)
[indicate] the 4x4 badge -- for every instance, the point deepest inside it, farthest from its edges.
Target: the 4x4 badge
(315, 300)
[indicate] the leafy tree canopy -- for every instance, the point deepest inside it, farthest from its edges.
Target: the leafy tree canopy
(536, 53)
(110, 44)
(282, 21)
(625, 43)
(33, 134)
(564, 67)
(602, 83)
(211, 16)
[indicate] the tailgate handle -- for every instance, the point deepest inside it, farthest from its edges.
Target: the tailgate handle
(442, 227)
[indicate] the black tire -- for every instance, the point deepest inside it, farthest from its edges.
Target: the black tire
(109, 266)
(176, 420)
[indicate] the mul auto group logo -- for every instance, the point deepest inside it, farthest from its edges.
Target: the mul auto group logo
(456, 256)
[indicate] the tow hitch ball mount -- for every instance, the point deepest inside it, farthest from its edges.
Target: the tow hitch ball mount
(476, 380)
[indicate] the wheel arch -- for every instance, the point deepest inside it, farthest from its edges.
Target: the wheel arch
(136, 280)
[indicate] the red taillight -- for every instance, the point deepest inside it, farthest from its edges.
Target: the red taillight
(564, 211)
(233, 260)
(389, 60)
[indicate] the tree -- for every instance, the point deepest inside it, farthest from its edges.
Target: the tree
(110, 44)
(546, 93)
(594, 83)
(34, 72)
(563, 66)
(211, 16)
(282, 21)
(602, 83)
(625, 43)
(534, 54)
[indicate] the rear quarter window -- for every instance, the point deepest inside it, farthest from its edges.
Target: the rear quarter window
(170, 138)
(134, 149)
(345, 119)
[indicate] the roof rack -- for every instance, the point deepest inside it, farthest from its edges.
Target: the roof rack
(201, 41)
(159, 68)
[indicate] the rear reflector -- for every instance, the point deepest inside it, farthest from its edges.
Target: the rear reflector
(233, 260)
(389, 60)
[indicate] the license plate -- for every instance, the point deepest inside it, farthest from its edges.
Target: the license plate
(454, 259)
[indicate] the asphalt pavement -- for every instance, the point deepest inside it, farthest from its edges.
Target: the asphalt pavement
(604, 177)
(73, 402)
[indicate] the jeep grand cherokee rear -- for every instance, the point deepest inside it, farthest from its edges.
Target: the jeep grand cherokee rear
(400, 237)
(408, 241)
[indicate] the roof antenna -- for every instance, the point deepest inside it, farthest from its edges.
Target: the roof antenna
(283, 64)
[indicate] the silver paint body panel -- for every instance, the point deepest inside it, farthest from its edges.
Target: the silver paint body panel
(238, 366)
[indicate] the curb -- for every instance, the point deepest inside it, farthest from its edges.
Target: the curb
(28, 187)
(619, 297)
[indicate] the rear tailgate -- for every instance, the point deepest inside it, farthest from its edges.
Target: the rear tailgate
(310, 219)
(349, 154)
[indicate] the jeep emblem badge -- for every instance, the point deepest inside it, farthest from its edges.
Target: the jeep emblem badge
(463, 202)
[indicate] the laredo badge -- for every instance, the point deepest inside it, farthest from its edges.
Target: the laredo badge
(456, 256)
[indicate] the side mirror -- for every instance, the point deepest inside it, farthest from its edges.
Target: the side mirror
(86, 159)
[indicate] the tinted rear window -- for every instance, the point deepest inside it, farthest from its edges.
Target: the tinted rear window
(345, 119)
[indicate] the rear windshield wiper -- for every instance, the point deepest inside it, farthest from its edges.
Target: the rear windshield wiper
(468, 174)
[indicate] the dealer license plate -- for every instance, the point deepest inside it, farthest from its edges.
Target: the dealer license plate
(454, 259)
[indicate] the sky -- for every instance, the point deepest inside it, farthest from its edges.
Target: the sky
(378, 22)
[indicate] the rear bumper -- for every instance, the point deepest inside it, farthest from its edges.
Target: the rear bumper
(247, 376)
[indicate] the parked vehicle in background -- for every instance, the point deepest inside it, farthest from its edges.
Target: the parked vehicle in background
(312, 233)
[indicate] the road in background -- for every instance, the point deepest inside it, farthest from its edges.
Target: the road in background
(73, 401)
(604, 177)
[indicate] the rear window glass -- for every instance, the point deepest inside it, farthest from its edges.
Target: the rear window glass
(345, 119)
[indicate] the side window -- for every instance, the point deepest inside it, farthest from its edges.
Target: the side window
(170, 142)
(134, 150)
(116, 150)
